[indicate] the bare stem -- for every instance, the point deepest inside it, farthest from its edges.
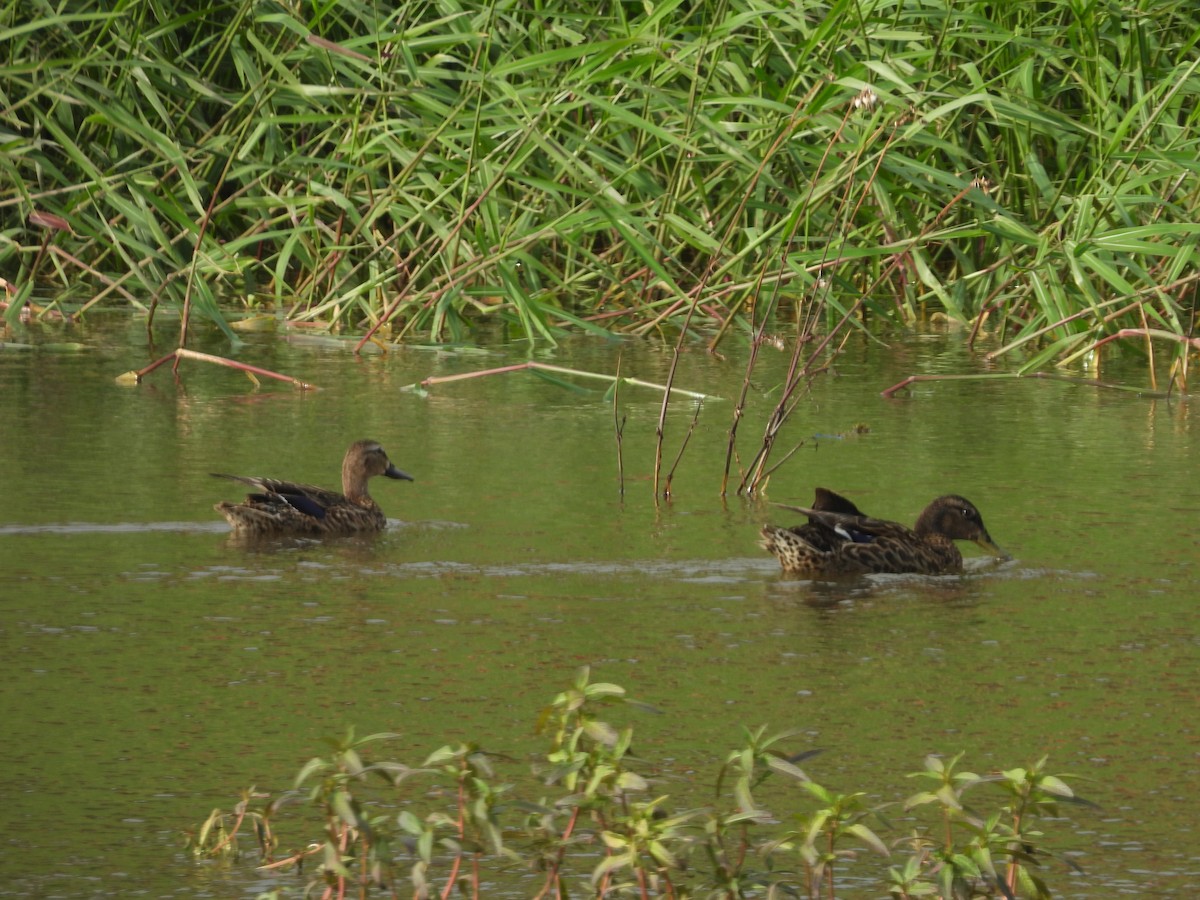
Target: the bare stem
(183, 353)
(560, 370)
(619, 430)
(683, 446)
(1048, 376)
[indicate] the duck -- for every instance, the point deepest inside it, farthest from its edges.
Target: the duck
(840, 542)
(286, 508)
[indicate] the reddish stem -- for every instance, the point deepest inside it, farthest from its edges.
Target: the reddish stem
(182, 353)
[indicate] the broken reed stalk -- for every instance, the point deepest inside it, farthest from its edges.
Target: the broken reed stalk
(185, 316)
(766, 476)
(560, 370)
(740, 408)
(760, 330)
(796, 373)
(619, 430)
(51, 225)
(661, 428)
(683, 446)
(1015, 376)
(295, 859)
(1149, 333)
(135, 377)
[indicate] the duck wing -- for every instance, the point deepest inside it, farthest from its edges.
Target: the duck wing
(858, 529)
(829, 501)
(305, 498)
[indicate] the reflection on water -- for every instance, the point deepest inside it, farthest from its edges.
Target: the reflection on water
(156, 666)
(117, 528)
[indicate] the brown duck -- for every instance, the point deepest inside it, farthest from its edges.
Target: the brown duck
(288, 508)
(840, 541)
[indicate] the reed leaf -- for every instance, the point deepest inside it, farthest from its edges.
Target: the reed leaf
(439, 165)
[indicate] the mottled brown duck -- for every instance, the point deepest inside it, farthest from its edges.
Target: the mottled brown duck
(287, 508)
(837, 542)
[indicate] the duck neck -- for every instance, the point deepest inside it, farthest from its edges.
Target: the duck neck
(926, 524)
(354, 483)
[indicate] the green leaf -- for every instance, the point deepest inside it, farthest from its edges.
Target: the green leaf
(948, 798)
(1057, 786)
(741, 794)
(819, 792)
(409, 823)
(442, 755)
(920, 799)
(614, 841)
(601, 732)
(868, 837)
(314, 765)
(631, 781)
(343, 807)
(332, 861)
(781, 765)
(602, 689)
(662, 855)
(611, 864)
(965, 865)
(352, 763)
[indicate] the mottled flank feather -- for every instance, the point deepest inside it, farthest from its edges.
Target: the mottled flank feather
(288, 508)
(839, 540)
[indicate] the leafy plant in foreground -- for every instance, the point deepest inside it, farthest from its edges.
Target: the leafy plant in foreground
(587, 756)
(629, 842)
(728, 841)
(474, 829)
(978, 856)
(217, 836)
(352, 833)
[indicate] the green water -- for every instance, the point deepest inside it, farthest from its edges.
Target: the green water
(154, 668)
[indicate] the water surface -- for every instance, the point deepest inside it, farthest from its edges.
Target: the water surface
(154, 667)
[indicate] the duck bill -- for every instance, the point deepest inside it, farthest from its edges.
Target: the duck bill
(985, 541)
(393, 472)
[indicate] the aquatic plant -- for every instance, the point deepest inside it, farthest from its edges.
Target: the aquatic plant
(612, 831)
(714, 168)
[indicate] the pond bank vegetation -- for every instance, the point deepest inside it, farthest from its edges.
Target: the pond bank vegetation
(597, 823)
(1024, 171)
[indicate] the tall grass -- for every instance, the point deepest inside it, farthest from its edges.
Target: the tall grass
(1025, 169)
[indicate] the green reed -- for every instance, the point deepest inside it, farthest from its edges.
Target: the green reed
(411, 169)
